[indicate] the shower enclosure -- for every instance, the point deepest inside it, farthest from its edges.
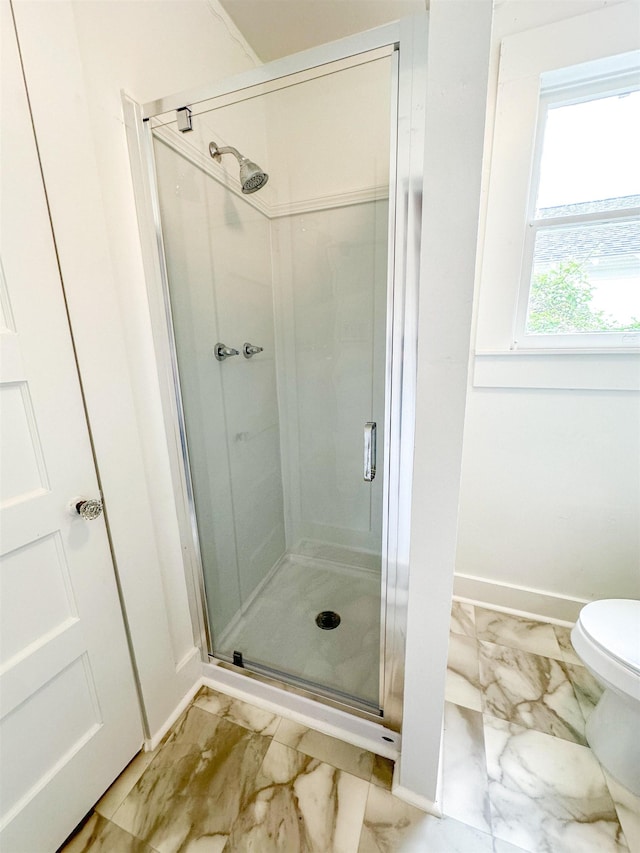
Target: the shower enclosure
(284, 308)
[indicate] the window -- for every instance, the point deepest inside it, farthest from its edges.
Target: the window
(581, 261)
(554, 184)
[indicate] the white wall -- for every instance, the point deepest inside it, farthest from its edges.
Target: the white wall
(550, 490)
(148, 48)
(550, 493)
(330, 135)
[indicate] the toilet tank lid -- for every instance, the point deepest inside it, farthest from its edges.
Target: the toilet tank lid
(614, 624)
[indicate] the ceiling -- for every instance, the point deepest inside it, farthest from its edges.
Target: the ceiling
(276, 28)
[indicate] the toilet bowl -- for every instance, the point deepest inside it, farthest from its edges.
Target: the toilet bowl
(607, 639)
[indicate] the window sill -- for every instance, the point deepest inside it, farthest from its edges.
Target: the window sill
(588, 370)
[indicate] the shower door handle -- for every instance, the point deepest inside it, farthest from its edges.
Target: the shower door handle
(369, 451)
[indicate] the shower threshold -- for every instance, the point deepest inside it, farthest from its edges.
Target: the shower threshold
(288, 702)
(287, 682)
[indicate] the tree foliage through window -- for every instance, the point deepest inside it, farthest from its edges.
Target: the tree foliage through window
(560, 302)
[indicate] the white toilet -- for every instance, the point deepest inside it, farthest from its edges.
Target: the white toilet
(607, 639)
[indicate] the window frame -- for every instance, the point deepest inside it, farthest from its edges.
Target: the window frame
(565, 87)
(525, 56)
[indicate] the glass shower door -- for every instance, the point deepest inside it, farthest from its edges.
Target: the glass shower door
(279, 310)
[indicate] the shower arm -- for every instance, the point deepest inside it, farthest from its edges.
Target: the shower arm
(217, 152)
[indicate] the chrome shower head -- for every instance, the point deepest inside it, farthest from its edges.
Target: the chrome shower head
(252, 177)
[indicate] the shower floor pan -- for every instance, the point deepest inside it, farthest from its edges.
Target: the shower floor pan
(279, 630)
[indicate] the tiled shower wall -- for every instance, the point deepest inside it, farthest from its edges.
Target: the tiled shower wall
(331, 269)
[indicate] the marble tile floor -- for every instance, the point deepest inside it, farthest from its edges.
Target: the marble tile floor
(517, 773)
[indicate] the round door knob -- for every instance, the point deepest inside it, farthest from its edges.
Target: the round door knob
(87, 508)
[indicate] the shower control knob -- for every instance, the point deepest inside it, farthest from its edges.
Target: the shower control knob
(222, 351)
(249, 350)
(87, 508)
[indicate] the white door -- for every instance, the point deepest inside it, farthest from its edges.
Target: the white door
(69, 714)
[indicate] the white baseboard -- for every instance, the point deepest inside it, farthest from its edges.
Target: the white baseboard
(151, 743)
(411, 797)
(414, 799)
(519, 600)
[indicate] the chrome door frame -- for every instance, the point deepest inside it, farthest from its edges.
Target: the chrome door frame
(408, 39)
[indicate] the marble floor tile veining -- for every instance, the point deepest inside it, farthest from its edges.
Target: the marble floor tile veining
(463, 676)
(588, 691)
(463, 619)
(195, 787)
(517, 774)
(465, 789)
(352, 759)
(114, 797)
(300, 804)
(628, 809)
(548, 794)
(382, 772)
(517, 632)
(99, 835)
(392, 826)
(236, 711)
(531, 690)
(563, 635)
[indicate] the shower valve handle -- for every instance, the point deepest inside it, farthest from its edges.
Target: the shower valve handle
(222, 351)
(249, 350)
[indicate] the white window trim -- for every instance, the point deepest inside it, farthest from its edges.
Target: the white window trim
(611, 76)
(527, 61)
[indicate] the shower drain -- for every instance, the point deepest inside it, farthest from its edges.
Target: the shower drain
(327, 620)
